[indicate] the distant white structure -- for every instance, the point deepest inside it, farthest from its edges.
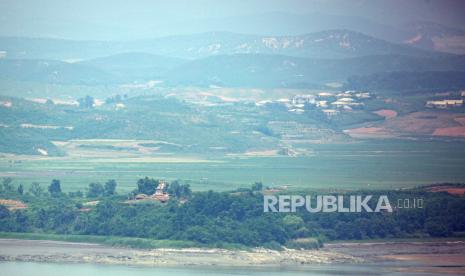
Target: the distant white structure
(7, 104)
(330, 112)
(120, 105)
(353, 93)
(443, 104)
(297, 110)
(322, 104)
(303, 99)
(283, 100)
(325, 94)
(347, 100)
(345, 103)
(264, 102)
(363, 95)
(42, 151)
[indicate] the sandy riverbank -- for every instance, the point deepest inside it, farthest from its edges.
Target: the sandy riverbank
(435, 257)
(53, 251)
(442, 257)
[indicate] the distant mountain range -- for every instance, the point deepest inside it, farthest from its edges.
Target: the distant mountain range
(238, 70)
(252, 70)
(221, 58)
(433, 36)
(325, 44)
(422, 34)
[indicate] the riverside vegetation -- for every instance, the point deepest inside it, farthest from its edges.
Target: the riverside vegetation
(232, 219)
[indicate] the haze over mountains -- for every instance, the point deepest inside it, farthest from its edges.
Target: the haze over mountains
(423, 34)
(275, 49)
(217, 58)
(252, 64)
(336, 43)
(432, 25)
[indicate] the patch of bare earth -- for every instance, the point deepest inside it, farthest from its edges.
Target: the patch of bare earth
(420, 123)
(450, 131)
(386, 113)
(13, 204)
(435, 123)
(448, 189)
(455, 131)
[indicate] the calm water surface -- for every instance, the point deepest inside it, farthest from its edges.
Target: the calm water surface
(53, 269)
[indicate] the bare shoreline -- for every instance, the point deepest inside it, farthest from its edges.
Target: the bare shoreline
(57, 251)
(439, 256)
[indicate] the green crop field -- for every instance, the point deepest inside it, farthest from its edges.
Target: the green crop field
(363, 165)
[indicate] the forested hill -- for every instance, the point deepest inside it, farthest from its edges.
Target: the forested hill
(218, 219)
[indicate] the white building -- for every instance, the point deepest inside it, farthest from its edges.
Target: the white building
(303, 99)
(444, 103)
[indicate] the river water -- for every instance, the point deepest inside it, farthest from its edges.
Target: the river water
(60, 269)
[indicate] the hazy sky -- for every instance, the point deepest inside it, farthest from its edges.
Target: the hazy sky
(116, 19)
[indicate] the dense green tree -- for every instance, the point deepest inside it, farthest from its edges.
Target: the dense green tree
(77, 194)
(21, 221)
(95, 190)
(294, 226)
(200, 234)
(257, 186)
(21, 189)
(35, 189)
(7, 184)
(214, 218)
(4, 212)
(436, 227)
(179, 190)
(55, 188)
(110, 187)
(147, 185)
(86, 102)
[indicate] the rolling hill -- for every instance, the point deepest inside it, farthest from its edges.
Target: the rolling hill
(325, 44)
(52, 71)
(134, 66)
(251, 70)
(237, 70)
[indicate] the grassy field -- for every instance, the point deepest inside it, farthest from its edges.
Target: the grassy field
(393, 240)
(105, 240)
(364, 165)
(131, 242)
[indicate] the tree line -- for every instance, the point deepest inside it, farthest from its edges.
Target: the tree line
(219, 218)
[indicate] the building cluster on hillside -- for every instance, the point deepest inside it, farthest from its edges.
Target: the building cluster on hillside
(329, 103)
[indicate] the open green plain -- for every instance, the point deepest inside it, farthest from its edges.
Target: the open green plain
(379, 164)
